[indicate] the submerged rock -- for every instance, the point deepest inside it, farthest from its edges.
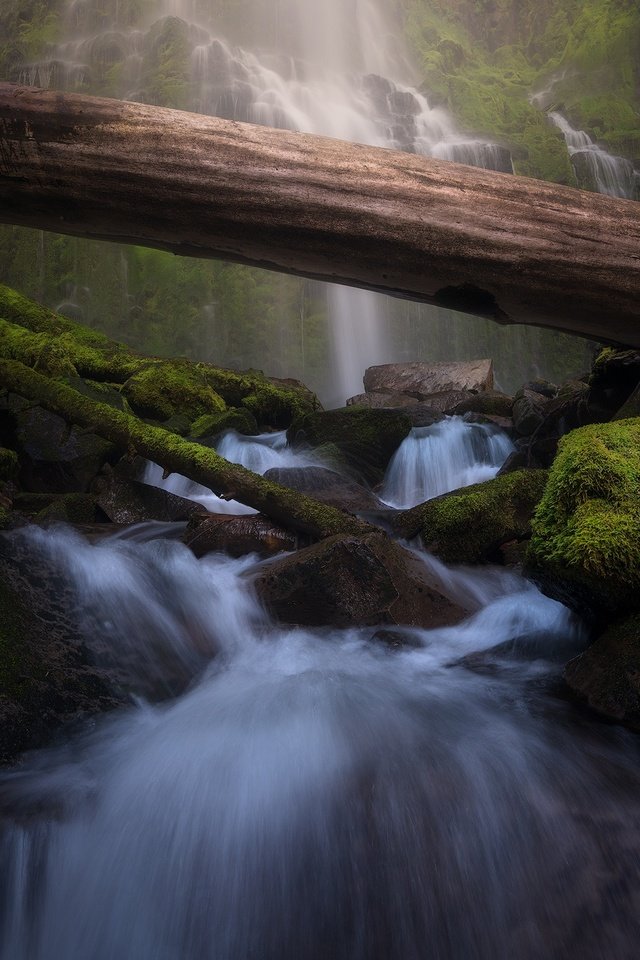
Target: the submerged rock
(470, 524)
(350, 581)
(421, 379)
(366, 439)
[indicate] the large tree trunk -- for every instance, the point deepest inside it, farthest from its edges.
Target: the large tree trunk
(292, 510)
(516, 250)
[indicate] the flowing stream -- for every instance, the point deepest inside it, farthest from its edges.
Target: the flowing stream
(315, 794)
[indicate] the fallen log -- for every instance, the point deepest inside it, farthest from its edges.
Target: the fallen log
(505, 247)
(292, 510)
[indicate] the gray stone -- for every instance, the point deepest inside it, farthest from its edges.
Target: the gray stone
(420, 379)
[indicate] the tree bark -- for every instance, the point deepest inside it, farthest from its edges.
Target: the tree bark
(290, 509)
(505, 247)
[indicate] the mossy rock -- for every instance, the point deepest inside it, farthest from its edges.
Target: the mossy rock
(490, 402)
(9, 464)
(166, 388)
(367, 438)
(70, 508)
(211, 425)
(109, 393)
(470, 524)
(585, 547)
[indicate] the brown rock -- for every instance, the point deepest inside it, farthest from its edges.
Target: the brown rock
(350, 581)
(130, 501)
(422, 380)
(237, 535)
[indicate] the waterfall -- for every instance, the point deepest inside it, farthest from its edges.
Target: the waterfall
(594, 167)
(448, 455)
(336, 71)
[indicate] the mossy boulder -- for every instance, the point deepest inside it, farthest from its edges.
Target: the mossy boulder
(607, 674)
(71, 508)
(469, 525)
(490, 402)
(163, 389)
(366, 438)
(585, 547)
(208, 427)
(9, 464)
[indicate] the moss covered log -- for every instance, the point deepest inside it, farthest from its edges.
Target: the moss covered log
(204, 465)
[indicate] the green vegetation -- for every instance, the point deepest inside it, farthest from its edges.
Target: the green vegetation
(485, 58)
(468, 525)
(586, 531)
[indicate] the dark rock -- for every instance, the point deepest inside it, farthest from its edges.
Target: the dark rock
(607, 674)
(130, 501)
(528, 411)
(421, 379)
(518, 460)
(54, 457)
(237, 536)
(46, 680)
(348, 581)
(366, 439)
(327, 486)
(491, 402)
(398, 639)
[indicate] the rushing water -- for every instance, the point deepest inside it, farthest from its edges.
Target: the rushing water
(313, 794)
(450, 454)
(601, 171)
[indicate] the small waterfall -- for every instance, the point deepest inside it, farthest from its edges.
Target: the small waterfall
(448, 455)
(596, 169)
(259, 454)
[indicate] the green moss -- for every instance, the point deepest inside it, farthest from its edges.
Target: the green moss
(468, 526)
(9, 464)
(69, 508)
(366, 438)
(586, 530)
(210, 425)
(165, 388)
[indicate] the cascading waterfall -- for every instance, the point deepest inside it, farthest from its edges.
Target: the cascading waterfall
(450, 454)
(594, 167)
(332, 74)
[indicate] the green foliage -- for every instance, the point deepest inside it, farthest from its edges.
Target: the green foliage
(587, 527)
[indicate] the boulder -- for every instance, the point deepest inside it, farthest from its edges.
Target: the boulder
(421, 379)
(528, 411)
(54, 457)
(237, 536)
(469, 525)
(327, 486)
(131, 501)
(366, 439)
(207, 429)
(350, 581)
(585, 545)
(46, 680)
(165, 388)
(489, 402)
(607, 674)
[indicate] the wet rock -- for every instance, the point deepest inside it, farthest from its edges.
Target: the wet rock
(237, 536)
(327, 486)
(470, 524)
(166, 388)
(46, 680)
(348, 581)
(528, 411)
(366, 439)
(518, 460)
(207, 429)
(607, 674)
(422, 380)
(569, 409)
(491, 402)
(130, 501)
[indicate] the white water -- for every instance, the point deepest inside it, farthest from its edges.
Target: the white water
(258, 454)
(314, 795)
(338, 71)
(613, 176)
(450, 454)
